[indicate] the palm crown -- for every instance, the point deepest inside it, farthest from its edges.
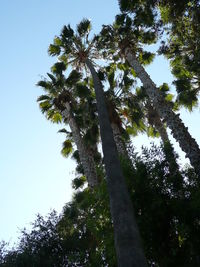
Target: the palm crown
(74, 47)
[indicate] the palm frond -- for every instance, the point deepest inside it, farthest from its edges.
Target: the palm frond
(43, 97)
(54, 50)
(84, 27)
(58, 68)
(67, 32)
(73, 78)
(44, 84)
(63, 131)
(45, 106)
(67, 148)
(56, 118)
(82, 90)
(51, 76)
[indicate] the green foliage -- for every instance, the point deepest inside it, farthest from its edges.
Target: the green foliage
(159, 189)
(169, 97)
(164, 88)
(67, 32)
(57, 118)
(57, 41)
(58, 68)
(73, 78)
(67, 148)
(54, 50)
(131, 131)
(146, 58)
(63, 131)
(151, 132)
(45, 106)
(178, 23)
(165, 14)
(43, 98)
(40, 247)
(78, 182)
(84, 27)
(44, 84)
(52, 77)
(166, 206)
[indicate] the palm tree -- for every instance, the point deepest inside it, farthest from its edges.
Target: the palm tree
(80, 52)
(123, 40)
(114, 106)
(179, 20)
(59, 101)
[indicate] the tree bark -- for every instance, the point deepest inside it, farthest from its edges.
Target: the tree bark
(127, 240)
(121, 147)
(178, 129)
(85, 157)
(155, 120)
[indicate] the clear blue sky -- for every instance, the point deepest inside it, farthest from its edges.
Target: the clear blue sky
(34, 177)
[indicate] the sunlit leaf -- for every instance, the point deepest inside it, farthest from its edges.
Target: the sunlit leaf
(67, 148)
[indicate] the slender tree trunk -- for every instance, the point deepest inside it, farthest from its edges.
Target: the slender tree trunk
(85, 157)
(127, 239)
(121, 147)
(162, 131)
(178, 129)
(154, 119)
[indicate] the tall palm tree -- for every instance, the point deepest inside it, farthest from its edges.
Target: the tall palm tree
(179, 21)
(114, 106)
(80, 52)
(123, 40)
(58, 100)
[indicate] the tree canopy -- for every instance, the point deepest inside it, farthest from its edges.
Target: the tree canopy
(128, 209)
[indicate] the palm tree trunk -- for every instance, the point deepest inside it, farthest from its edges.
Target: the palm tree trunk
(85, 157)
(170, 154)
(127, 238)
(121, 147)
(154, 119)
(178, 129)
(162, 131)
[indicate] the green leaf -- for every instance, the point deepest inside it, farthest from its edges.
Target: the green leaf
(51, 77)
(121, 66)
(58, 68)
(79, 182)
(111, 78)
(67, 32)
(84, 27)
(57, 41)
(120, 19)
(43, 97)
(54, 50)
(165, 13)
(45, 106)
(73, 77)
(146, 58)
(133, 73)
(63, 58)
(82, 90)
(151, 132)
(57, 118)
(63, 131)
(131, 131)
(67, 148)
(169, 97)
(44, 84)
(164, 87)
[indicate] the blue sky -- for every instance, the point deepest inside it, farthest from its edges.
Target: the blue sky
(34, 177)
